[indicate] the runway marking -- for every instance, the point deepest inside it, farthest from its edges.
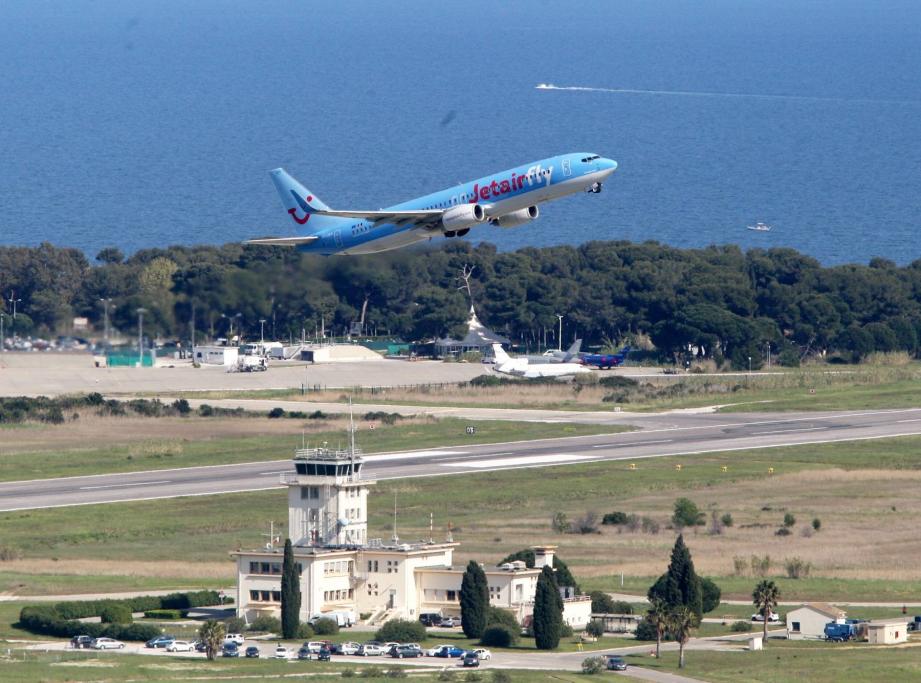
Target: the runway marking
(407, 456)
(472, 455)
(917, 419)
(272, 474)
(631, 443)
(531, 460)
(787, 431)
(118, 486)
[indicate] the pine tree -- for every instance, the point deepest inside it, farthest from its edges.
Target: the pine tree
(679, 585)
(290, 594)
(548, 611)
(474, 600)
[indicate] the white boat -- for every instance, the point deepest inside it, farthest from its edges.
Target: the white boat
(760, 227)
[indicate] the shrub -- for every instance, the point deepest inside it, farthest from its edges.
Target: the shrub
(789, 520)
(710, 594)
(500, 676)
(817, 524)
(741, 626)
(565, 631)
(618, 382)
(305, 631)
(235, 625)
(621, 607)
(182, 407)
(602, 603)
(559, 523)
(473, 677)
(325, 627)
(797, 568)
(686, 513)
(726, 519)
(396, 672)
(132, 631)
(276, 412)
(266, 624)
(782, 531)
(645, 631)
(370, 672)
(445, 675)
(499, 636)
(614, 518)
(595, 629)
(163, 614)
(401, 631)
(739, 565)
(586, 524)
(594, 665)
(501, 617)
(8, 554)
(348, 673)
(649, 525)
(761, 566)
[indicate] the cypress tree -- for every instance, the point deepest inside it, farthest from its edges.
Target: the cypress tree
(548, 611)
(474, 600)
(679, 586)
(290, 594)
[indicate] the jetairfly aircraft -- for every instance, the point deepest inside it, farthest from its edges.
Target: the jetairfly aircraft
(506, 199)
(605, 361)
(554, 356)
(520, 367)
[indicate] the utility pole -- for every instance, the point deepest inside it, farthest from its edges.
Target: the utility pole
(13, 301)
(559, 339)
(105, 318)
(261, 330)
(141, 312)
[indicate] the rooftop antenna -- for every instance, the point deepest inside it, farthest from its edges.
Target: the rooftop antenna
(351, 429)
(431, 527)
(273, 539)
(395, 538)
(303, 439)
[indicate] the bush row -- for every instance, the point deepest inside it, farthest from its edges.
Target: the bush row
(144, 603)
(164, 614)
(45, 620)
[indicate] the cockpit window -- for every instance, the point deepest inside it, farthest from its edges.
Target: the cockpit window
(590, 158)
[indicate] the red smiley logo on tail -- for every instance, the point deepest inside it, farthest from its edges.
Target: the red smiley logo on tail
(293, 212)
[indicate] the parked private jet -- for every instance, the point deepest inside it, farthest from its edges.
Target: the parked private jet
(507, 199)
(520, 367)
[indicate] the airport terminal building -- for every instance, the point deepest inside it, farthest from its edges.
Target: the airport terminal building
(342, 570)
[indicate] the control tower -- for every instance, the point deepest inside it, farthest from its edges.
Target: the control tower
(327, 499)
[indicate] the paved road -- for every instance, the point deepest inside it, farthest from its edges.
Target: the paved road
(660, 435)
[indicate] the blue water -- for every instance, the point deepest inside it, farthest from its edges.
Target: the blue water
(141, 124)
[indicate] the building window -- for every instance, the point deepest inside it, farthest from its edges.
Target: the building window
(452, 596)
(393, 566)
(372, 566)
(276, 596)
(254, 595)
(795, 627)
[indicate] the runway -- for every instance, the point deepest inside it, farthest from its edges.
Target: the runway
(659, 435)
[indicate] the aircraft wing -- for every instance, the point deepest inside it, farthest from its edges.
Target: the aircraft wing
(283, 241)
(416, 216)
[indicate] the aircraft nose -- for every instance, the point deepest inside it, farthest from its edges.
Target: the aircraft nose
(608, 165)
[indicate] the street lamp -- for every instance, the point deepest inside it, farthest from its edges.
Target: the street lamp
(105, 318)
(261, 330)
(13, 301)
(141, 312)
(749, 365)
(559, 340)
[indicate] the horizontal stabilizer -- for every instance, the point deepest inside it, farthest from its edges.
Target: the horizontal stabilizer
(284, 241)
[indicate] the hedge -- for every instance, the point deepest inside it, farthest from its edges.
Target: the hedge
(60, 619)
(163, 614)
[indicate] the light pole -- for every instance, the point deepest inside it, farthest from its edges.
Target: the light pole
(141, 312)
(767, 348)
(559, 340)
(261, 330)
(105, 318)
(13, 301)
(749, 365)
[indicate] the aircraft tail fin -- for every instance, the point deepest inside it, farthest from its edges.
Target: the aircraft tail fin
(500, 354)
(300, 202)
(573, 350)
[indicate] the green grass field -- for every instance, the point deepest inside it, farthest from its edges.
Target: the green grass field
(795, 662)
(168, 453)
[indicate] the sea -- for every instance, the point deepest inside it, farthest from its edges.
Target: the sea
(146, 124)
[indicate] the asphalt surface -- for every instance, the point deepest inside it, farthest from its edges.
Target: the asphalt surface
(660, 435)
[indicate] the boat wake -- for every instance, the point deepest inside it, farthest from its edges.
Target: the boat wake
(705, 93)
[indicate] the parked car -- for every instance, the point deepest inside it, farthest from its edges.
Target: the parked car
(230, 649)
(471, 659)
(449, 622)
(430, 618)
(160, 641)
(616, 663)
(408, 650)
(772, 619)
(81, 642)
(252, 652)
(483, 653)
(324, 655)
(347, 648)
(450, 651)
(234, 638)
(281, 652)
(433, 651)
(370, 650)
(201, 646)
(107, 644)
(180, 646)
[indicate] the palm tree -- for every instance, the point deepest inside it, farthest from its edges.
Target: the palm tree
(658, 617)
(680, 622)
(765, 598)
(212, 635)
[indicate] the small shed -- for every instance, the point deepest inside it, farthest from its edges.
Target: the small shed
(215, 355)
(887, 631)
(808, 622)
(617, 623)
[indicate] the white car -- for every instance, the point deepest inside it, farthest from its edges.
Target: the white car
(281, 652)
(772, 619)
(180, 646)
(348, 648)
(483, 653)
(235, 638)
(433, 651)
(107, 644)
(369, 650)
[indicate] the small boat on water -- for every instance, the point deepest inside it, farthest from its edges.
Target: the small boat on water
(760, 227)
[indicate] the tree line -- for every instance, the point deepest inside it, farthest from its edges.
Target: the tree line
(718, 302)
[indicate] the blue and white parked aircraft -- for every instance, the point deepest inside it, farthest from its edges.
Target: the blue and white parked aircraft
(506, 199)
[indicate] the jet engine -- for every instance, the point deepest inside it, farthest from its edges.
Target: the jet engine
(462, 217)
(516, 218)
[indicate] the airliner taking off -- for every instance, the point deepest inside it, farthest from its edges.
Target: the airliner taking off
(506, 199)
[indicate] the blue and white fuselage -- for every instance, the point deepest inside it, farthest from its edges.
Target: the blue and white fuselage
(506, 199)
